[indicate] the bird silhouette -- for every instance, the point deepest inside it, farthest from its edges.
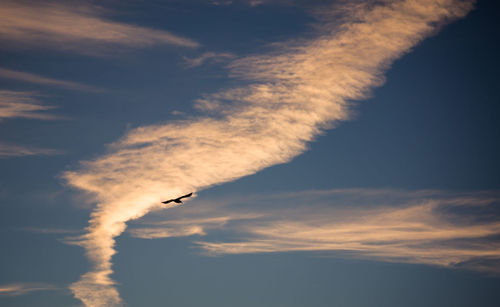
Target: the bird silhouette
(178, 199)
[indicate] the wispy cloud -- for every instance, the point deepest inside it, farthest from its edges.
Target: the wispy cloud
(426, 227)
(9, 150)
(254, 3)
(224, 2)
(45, 24)
(16, 104)
(33, 78)
(295, 93)
(189, 226)
(163, 232)
(18, 289)
(208, 57)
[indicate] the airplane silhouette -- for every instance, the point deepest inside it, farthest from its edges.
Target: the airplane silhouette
(178, 199)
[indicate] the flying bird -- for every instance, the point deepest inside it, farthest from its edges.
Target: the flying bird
(178, 199)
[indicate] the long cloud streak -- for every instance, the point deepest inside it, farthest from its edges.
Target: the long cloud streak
(33, 78)
(9, 150)
(295, 95)
(429, 227)
(33, 23)
(18, 289)
(16, 104)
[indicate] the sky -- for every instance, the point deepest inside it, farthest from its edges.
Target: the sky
(340, 153)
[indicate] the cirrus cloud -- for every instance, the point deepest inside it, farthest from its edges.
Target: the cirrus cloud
(21, 104)
(292, 96)
(45, 25)
(33, 78)
(18, 289)
(426, 227)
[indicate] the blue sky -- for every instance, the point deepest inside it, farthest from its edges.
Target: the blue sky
(341, 153)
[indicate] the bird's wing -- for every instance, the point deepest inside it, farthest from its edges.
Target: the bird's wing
(187, 195)
(177, 199)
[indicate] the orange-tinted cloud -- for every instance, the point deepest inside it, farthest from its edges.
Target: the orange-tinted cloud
(295, 93)
(426, 227)
(208, 57)
(18, 289)
(81, 29)
(16, 104)
(33, 78)
(9, 150)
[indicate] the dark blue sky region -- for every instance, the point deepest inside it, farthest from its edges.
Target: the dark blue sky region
(107, 108)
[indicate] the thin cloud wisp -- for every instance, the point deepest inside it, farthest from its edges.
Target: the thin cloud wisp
(33, 78)
(16, 104)
(424, 227)
(45, 25)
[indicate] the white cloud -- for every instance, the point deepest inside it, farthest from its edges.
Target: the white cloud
(295, 93)
(45, 24)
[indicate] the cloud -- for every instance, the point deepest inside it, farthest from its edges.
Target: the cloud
(18, 289)
(426, 227)
(255, 3)
(155, 233)
(208, 56)
(226, 2)
(45, 24)
(293, 94)
(9, 150)
(16, 104)
(187, 227)
(32, 78)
